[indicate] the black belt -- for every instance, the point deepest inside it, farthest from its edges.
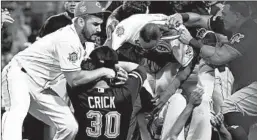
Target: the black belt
(23, 70)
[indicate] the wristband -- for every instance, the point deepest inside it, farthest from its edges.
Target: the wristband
(185, 17)
(196, 44)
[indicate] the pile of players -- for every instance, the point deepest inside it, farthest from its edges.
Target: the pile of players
(179, 76)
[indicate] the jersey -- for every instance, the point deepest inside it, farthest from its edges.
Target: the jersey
(128, 30)
(105, 113)
(47, 59)
(244, 41)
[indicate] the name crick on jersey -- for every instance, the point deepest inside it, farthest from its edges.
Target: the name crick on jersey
(101, 102)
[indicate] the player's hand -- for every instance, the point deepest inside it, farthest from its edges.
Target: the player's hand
(122, 76)
(109, 73)
(217, 121)
(174, 20)
(195, 97)
(6, 16)
(185, 36)
(161, 100)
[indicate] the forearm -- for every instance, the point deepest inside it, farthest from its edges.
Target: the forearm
(180, 122)
(127, 66)
(212, 55)
(195, 20)
(84, 77)
(224, 134)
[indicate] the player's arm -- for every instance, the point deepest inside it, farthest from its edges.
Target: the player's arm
(195, 99)
(70, 59)
(216, 55)
(127, 66)
(132, 86)
(118, 37)
(179, 78)
(116, 13)
(217, 122)
(214, 23)
(130, 89)
(79, 77)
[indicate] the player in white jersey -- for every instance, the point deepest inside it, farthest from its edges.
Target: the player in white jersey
(140, 31)
(27, 79)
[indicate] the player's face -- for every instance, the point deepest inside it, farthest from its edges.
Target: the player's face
(147, 45)
(229, 17)
(70, 6)
(92, 28)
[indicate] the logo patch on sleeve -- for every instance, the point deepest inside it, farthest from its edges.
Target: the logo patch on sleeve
(73, 57)
(120, 31)
(236, 38)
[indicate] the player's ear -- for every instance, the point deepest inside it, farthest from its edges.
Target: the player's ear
(81, 22)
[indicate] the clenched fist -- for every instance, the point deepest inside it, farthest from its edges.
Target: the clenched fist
(195, 97)
(174, 20)
(185, 36)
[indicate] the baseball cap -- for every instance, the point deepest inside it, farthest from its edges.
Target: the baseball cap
(89, 7)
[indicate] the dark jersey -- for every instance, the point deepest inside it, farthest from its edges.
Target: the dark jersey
(105, 113)
(54, 23)
(244, 41)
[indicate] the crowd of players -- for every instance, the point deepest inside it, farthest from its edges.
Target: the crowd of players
(184, 72)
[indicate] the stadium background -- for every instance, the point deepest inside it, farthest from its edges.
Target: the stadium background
(29, 17)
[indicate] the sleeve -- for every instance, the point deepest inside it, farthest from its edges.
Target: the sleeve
(216, 24)
(119, 36)
(158, 18)
(242, 41)
(70, 56)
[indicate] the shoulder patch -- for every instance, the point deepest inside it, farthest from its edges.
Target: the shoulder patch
(120, 31)
(73, 57)
(236, 38)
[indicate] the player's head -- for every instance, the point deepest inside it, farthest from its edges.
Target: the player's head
(135, 7)
(149, 36)
(69, 6)
(234, 12)
(101, 57)
(88, 17)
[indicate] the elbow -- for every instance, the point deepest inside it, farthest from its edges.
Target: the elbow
(73, 82)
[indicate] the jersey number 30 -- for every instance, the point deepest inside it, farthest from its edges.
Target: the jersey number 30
(112, 126)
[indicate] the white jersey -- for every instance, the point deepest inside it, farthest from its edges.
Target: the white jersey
(128, 29)
(47, 58)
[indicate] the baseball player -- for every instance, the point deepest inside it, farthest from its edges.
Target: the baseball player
(239, 53)
(102, 108)
(27, 79)
(142, 31)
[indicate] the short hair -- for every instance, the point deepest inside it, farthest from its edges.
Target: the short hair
(241, 7)
(101, 57)
(150, 32)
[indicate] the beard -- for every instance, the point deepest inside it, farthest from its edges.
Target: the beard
(93, 38)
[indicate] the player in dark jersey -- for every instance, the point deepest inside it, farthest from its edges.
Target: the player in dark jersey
(56, 22)
(102, 108)
(239, 52)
